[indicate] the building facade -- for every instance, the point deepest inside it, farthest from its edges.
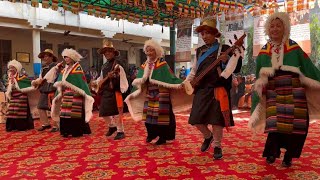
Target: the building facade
(25, 31)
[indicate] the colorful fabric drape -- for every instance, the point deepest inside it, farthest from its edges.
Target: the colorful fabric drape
(77, 78)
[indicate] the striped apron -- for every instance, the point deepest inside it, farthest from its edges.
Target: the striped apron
(286, 104)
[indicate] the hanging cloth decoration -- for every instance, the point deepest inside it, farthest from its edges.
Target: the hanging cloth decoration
(54, 5)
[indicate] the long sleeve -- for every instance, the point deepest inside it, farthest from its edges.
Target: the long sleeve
(255, 97)
(192, 73)
(52, 75)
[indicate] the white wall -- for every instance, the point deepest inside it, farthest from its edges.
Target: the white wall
(22, 42)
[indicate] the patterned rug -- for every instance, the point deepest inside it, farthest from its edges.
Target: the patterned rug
(45, 155)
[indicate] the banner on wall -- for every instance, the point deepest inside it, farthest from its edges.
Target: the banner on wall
(300, 31)
(184, 40)
(234, 28)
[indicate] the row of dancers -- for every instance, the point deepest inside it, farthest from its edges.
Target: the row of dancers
(286, 77)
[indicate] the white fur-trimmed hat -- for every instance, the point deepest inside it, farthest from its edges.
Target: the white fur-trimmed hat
(155, 45)
(71, 53)
(284, 17)
(15, 64)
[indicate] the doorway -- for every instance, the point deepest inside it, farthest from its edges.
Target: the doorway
(5, 55)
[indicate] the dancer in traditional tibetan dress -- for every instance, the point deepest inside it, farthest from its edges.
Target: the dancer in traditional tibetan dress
(211, 103)
(155, 97)
(73, 103)
(19, 115)
(111, 84)
(285, 92)
(45, 88)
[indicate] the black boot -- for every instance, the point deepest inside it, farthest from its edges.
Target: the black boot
(55, 129)
(287, 160)
(161, 141)
(149, 139)
(217, 154)
(120, 135)
(206, 144)
(111, 131)
(270, 159)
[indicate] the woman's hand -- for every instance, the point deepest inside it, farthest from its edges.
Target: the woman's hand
(181, 86)
(60, 65)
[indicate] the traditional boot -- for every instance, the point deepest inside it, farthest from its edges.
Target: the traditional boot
(111, 131)
(120, 135)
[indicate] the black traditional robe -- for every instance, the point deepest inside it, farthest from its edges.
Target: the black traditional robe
(205, 108)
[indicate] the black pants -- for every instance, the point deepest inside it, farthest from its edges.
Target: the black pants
(293, 143)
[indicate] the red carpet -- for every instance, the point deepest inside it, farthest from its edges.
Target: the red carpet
(45, 155)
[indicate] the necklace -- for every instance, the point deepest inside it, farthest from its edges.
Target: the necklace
(151, 64)
(276, 50)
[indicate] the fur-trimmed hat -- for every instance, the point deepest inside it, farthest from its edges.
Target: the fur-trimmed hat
(71, 53)
(155, 45)
(108, 46)
(15, 64)
(50, 52)
(209, 23)
(284, 17)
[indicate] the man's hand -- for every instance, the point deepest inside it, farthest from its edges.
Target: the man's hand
(219, 71)
(37, 83)
(110, 75)
(239, 51)
(224, 58)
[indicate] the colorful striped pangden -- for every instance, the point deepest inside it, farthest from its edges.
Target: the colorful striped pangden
(156, 107)
(18, 106)
(71, 106)
(287, 110)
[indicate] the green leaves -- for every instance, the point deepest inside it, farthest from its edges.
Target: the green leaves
(315, 38)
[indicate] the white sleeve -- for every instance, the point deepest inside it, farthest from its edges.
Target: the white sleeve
(52, 74)
(193, 71)
(100, 77)
(124, 85)
(231, 66)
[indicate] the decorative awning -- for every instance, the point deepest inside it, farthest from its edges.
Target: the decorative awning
(149, 12)
(164, 12)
